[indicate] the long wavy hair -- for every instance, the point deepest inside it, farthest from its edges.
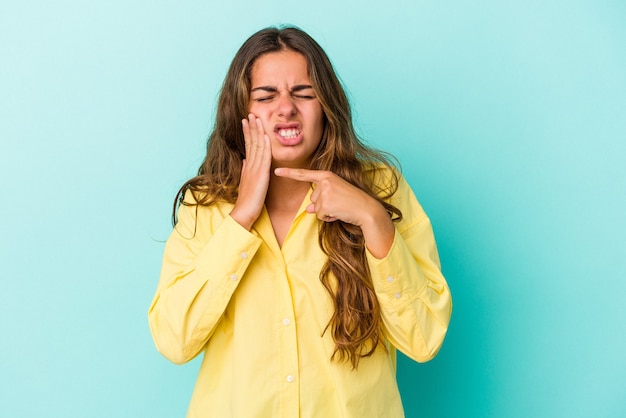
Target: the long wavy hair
(356, 324)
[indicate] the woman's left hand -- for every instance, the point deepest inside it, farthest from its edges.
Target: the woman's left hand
(336, 199)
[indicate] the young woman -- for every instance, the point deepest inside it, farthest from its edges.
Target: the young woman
(300, 260)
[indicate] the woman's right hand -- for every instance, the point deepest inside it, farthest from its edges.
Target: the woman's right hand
(255, 173)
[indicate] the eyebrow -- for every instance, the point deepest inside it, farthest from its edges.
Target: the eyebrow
(271, 89)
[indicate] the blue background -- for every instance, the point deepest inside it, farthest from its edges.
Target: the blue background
(509, 118)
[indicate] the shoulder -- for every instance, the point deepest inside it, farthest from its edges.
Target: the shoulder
(196, 216)
(392, 186)
(384, 179)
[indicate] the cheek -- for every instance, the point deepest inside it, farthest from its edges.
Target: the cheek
(319, 122)
(262, 114)
(315, 117)
(254, 109)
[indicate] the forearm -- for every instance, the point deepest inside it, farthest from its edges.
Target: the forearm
(378, 230)
(197, 282)
(413, 294)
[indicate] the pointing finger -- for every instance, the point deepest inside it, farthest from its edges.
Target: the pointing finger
(301, 174)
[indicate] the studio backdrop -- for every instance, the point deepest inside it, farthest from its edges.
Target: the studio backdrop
(509, 121)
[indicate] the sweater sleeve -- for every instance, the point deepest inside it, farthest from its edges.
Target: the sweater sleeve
(415, 300)
(204, 260)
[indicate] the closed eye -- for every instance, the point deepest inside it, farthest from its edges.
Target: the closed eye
(303, 92)
(299, 92)
(267, 93)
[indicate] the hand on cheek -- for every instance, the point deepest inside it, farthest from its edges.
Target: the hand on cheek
(255, 173)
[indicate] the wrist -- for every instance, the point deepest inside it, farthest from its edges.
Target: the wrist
(378, 230)
(243, 219)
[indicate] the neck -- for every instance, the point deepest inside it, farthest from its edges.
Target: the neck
(285, 192)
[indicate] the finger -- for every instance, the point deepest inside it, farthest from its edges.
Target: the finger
(253, 126)
(301, 174)
(247, 136)
(266, 151)
(254, 137)
(315, 194)
(259, 127)
(262, 145)
(245, 126)
(321, 215)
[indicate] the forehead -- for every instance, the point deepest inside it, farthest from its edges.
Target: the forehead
(278, 68)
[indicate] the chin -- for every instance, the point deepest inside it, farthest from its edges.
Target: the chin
(290, 162)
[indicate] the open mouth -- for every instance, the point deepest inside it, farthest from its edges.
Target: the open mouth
(288, 133)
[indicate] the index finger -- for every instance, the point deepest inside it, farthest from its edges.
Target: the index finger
(301, 174)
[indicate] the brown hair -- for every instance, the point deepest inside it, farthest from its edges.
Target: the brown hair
(356, 324)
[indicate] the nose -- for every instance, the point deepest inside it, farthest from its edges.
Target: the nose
(286, 106)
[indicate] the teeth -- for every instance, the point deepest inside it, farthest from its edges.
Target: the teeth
(288, 133)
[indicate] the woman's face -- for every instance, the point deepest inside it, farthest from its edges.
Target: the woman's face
(282, 96)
